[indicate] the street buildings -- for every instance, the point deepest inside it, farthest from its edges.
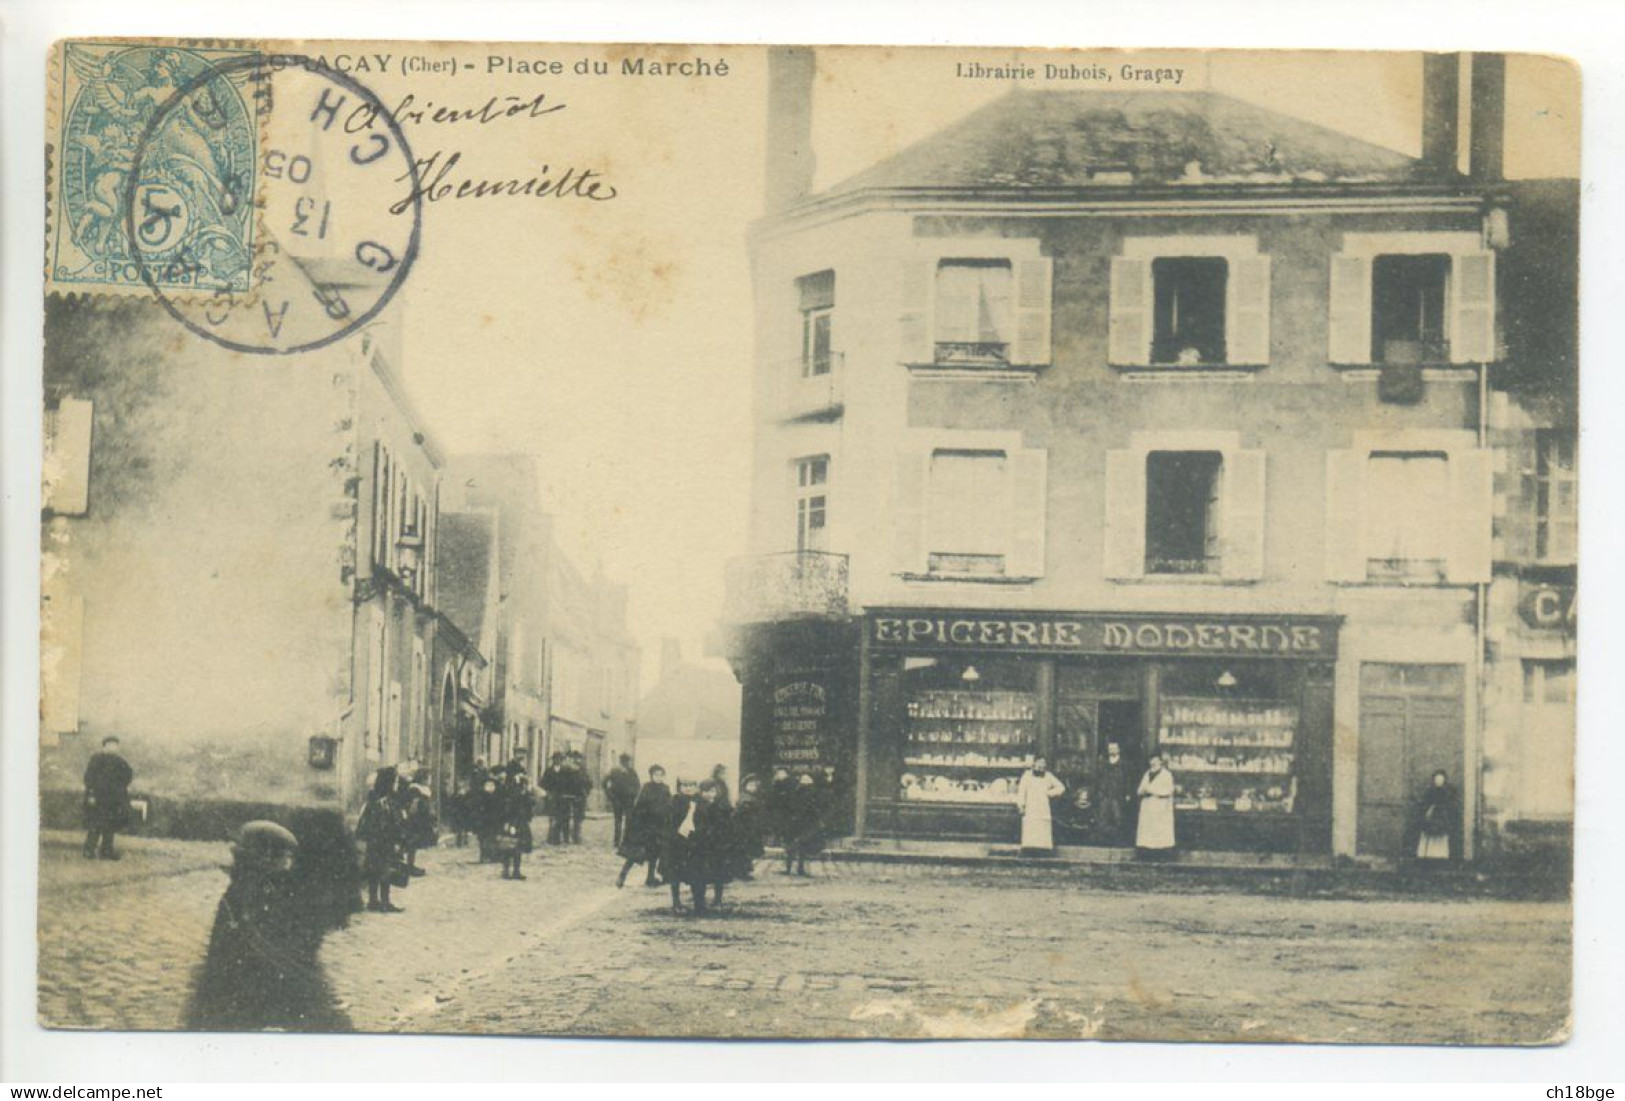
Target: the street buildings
(564, 672)
(239, 565)
(1169, 421)
(250, 577)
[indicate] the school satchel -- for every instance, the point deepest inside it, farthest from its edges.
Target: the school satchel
(507, 842)
(399, 877)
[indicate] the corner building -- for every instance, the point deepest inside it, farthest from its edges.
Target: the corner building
(1153, 419)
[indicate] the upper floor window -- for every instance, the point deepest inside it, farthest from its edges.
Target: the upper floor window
(1552, 493)
(1182, 509)
(1410, 506)
(1188, 309)
(812, 502)
(1412, 298)
(975, 303)
(1190, 301)
(973, 311)
(403, 522)
(1407, 516)
(968, 520)
(817, 296)
(971, 506)
(1408, 296)
(1184, 505)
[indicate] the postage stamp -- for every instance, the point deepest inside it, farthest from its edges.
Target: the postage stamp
(336, 197)
(189, 210)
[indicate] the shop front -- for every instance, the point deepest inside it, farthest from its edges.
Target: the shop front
(958, 704)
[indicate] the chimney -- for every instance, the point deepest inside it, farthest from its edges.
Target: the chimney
(1441, 101)
(790, 72)
(1486, 122)
(671, 657)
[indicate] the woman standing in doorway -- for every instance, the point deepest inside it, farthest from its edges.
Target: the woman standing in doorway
(1438, 822)
(1155, 834)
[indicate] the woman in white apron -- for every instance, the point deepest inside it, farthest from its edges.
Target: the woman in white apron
(1156, 829)
(1034, 791)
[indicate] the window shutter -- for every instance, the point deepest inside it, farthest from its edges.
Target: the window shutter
(1130, 323)
(67, 458)
(1030, 512)
(62, 618)
(1248, 326)
(1125, 514)
(1243, 519)
(1345, 515)
(1350, 337)
(1471, 496)
(1034, 280)
(914, 281)
(1472, 291)
(908, 511)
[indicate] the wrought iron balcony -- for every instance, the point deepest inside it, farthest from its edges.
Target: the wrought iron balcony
(792, 585)
(810, 387)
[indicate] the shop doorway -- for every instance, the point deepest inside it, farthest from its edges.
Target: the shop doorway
(1097, 703)
(1412, 721)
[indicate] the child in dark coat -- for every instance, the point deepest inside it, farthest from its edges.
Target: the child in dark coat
(518, 808)
(262, 970)
(750, 821)
(711, 853)
(382, 829)
(677, 841)
(645, 825)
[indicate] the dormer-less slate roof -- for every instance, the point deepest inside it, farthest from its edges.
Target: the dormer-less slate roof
(1043, 139)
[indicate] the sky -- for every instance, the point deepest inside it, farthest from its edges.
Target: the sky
(613, 340)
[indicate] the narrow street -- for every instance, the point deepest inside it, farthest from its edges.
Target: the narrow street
(898, 951)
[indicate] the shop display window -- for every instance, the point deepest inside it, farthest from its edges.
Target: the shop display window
(970, 730)
(1229, 735)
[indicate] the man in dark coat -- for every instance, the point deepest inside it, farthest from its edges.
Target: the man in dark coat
(107, 799)
(1115, 791)
(576, 767)
(803, 824)
(559, 788)
(780, 794)
(621, 788)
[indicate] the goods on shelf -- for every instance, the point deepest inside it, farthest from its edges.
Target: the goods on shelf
(946, 789)
(970, 735)
(1229, 755)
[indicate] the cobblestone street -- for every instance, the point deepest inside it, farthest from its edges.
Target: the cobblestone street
(897, 951)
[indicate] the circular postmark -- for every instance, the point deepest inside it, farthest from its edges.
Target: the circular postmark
(333, 184)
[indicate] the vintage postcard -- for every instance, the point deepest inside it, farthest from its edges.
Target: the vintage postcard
(809, 542)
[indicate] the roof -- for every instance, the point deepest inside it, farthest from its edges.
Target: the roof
(463, 550)
(1064, 139)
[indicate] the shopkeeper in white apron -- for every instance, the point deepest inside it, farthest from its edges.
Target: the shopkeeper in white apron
(1034, 791)
(1156, 829)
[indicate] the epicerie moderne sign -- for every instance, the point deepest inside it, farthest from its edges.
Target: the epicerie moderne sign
(1272, 636)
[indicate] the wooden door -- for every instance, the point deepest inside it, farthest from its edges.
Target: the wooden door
(1412, 722)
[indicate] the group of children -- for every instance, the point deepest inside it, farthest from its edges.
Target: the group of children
(396, 821)
(698, 836)
(496, 807)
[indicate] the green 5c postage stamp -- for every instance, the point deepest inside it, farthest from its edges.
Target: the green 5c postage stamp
(151, 171)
